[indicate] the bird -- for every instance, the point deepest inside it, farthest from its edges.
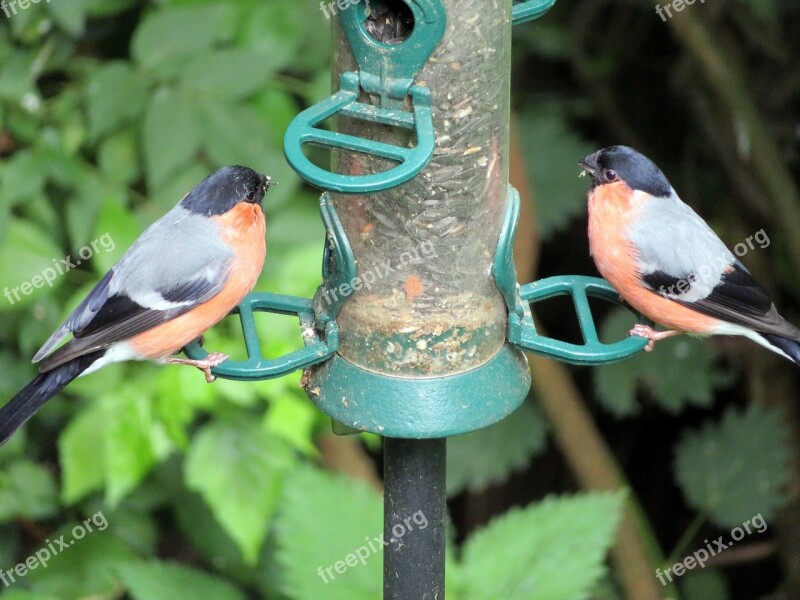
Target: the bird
(667, 263)
(184, 274)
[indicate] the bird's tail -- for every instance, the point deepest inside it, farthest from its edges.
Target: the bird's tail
(788, 348)
(43, 387)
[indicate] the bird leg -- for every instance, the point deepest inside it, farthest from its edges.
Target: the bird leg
(651, 334)
(205, 365)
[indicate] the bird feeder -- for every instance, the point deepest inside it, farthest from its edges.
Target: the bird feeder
(419, 328)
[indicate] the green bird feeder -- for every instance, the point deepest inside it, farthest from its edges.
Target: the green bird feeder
(419, 328)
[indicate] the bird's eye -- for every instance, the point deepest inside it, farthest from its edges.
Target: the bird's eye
(610, 175)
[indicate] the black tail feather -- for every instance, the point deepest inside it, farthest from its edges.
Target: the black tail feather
(787, 346)
(43, 387)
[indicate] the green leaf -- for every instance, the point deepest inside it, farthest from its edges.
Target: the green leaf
(22, 177)
(16, 75)
(167, 33)
(24, 255)
(116, 442)
(27, 490)
(738, 468)
(681, 371)
(134, 442)
(70, 15)
(552, 151)
(234, 134)
(23, 595)
(703, 585)
(233, 73)
(324, 520)
(552, 550)
(293, 419)
(239, 470)
(118, 158)
(115, 94)
(479, 459)
(86, 569)
(82, 465)
(115, 231)
(165, 581)
(171, 131)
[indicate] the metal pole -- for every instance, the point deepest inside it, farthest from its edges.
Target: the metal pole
(413, 562)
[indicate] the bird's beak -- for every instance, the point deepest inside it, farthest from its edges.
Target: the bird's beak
(269, 183)
(589, 164)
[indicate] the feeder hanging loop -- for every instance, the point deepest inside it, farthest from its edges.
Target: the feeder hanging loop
(386, 72)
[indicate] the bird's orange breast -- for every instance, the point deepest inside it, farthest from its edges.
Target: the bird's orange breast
(612, 207)
(243, 228)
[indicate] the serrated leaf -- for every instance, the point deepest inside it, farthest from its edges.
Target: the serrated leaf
(177, 31)
(239, 470)
(165, 581)
(553, 150)
(27, 490)
(323, 520)
(487, 456)
(114, 443)
(738, 468)
(116, 94)
(681, 371)
(552, 550)
(171, 132)
(134, 442)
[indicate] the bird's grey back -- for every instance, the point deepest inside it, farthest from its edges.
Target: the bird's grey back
(191, 242)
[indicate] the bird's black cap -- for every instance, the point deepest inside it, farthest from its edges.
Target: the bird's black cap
(225, 188)
(617, 163)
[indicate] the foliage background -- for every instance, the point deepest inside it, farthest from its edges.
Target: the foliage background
(110, 110)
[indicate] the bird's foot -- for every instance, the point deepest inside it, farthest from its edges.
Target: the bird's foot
(651, 334)
(214, 359)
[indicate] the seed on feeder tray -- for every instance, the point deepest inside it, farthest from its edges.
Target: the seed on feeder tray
(422, 345)
(473, 150)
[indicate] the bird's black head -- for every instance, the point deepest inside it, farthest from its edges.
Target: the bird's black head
(225, 188)
(621, 163)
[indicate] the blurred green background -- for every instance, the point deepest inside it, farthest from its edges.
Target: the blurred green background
(111, 110)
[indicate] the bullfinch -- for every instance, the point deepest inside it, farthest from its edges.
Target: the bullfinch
(668, 264)
(184, 274)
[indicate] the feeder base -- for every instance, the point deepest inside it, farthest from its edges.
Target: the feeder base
(420, 408)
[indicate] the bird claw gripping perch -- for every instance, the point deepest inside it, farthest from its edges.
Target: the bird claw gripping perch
(317, 347)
